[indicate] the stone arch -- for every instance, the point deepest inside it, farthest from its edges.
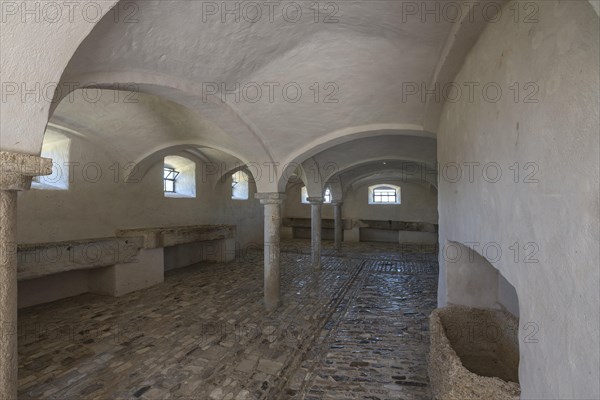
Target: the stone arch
(24, 130)
(310, 174)
(188, 94)
(425, 176)
(147, 161)
(378, 179)
(248, 169)
(337, 194)
(337, 138)
(355, 132)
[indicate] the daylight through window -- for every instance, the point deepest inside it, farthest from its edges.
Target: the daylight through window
(384, 194)
(170, 176)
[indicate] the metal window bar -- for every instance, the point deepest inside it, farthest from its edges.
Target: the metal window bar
(384, 196)
(169, 177)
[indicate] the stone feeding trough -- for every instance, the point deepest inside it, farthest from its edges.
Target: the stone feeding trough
(474, 354)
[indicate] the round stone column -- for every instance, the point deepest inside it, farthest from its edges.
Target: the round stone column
(16, 171)
(315, 233)
(337, 224)
(8, 294)
(272, 237)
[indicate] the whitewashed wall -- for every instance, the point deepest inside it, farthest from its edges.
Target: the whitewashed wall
(419, 204)
(96, 205)
(558, 214)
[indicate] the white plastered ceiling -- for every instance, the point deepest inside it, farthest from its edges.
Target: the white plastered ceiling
(175, 53)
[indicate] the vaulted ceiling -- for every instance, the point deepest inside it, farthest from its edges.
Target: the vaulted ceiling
(206, 80)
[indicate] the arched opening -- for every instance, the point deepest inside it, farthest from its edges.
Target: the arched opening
(474, 281)
(477, 334)
(142, 164)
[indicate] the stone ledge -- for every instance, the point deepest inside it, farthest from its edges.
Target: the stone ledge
(397, 225)
(17, 169)
(315, 200)
(42, 259)
(326, 223)
(401, 226)
(270, 198)
(175, 235)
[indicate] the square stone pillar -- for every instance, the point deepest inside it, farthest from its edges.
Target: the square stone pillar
(16, 172)
(272, 237)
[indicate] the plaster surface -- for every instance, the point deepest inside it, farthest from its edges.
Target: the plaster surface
(35, 51)
(419, 204)
(120, 279)
(52, 287)
(248, 52)
(99, 201)
(559, 134)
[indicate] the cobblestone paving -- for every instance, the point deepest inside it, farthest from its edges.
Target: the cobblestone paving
(377, 341)
(354, 327)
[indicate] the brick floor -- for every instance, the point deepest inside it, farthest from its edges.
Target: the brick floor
(355, 329)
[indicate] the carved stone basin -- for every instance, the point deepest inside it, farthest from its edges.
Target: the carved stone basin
(474, 354)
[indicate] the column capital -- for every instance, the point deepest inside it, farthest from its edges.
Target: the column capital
(270, 197)
(337, 202)
(17, 169)
(315, 200)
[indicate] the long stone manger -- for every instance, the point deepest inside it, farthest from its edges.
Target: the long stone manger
(135, 259)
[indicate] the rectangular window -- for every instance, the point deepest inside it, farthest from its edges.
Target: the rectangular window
(304, 195)
(239, 186)
(384, 196)
(327, 196)
(57, 147)
(169, 177)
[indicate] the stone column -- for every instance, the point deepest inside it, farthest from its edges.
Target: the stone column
(272, 203)
(16, 171)
(8, 294)
(315, 233)
(337, 224)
